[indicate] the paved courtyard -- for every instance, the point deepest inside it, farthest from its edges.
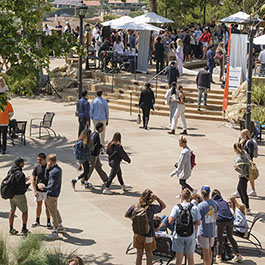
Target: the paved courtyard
(95, 223)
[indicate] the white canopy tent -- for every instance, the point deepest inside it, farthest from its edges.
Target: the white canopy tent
(135, 26)
(239, 17)
(119, 20)
(259, 40)
(152, 17)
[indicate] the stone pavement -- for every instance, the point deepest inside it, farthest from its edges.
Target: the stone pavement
(95, 223)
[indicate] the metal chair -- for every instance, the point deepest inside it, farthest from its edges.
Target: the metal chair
(45, 123)
(20, 128)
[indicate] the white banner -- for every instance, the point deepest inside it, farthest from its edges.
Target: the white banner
(235, 77)
(143, 51)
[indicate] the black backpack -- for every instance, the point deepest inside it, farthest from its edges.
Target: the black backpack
(184, 222)
(8, 186)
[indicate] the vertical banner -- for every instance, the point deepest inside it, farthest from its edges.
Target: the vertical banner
(225, 99)
(143, 51)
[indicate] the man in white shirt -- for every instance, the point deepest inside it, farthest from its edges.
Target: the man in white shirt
(262, 60)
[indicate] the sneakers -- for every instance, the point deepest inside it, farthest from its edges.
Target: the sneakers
(248, 211)
(89, 186)
(107, 191)
(252, 193)
(218, 259)
(125, 187)
(73, 183)
(13, 232)
(25, 232)
(53, 236)
(49, 226)
(184, 132)
(60, 228)
(35, 224)
(235, 194)
(171, 132)
(237, 258)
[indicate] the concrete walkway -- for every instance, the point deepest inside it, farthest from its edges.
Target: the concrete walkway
(95, 223)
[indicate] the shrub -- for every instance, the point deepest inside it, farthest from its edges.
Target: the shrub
(3, 251)
(258, 93)
(258, 114)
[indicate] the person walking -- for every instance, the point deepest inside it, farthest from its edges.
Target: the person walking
(84, 145)
(224, 221)
(203, 82)
(210, 61)
(220, 57)
(83, 109)
(146, 242)
(242, 166)
(53, 189)
(159, 55)
(116, 154)
(38, 175)
(5, 115)
(99, 112)
(146, 103)
(95, 151)
(183, 166)
(179, 112)
(179, 56)
(19, 200)
(207, 230)
(184, 241)
(172, 73)
(172, 92)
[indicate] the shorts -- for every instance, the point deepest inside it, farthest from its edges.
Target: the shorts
(142, 242)
(186, 246)
(20, 202)
(42, 196)
(204, 44)
(206, 242)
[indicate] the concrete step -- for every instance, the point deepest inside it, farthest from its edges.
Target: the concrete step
(200, 115)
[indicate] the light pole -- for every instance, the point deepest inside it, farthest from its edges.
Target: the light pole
(81, 10)
(88, 32)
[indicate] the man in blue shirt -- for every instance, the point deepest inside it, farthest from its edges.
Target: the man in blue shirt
(83, 109)
(99, 112)
(210, 60)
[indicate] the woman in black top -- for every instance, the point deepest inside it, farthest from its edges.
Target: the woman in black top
(116, 154)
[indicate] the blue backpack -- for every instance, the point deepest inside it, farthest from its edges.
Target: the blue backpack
(78, 149)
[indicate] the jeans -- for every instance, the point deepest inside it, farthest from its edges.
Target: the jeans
(185, 185)
(96, 164)
(86, 171)
(211, 72)
(221, 226)
(262, 70)
(150, 57)
(179, 113)
(164, 219)
(115, 170)
(172, 109)
(82, 125)
(242, 190)
(3, 137)
(159, 64)
(146, 114)
(204, 91)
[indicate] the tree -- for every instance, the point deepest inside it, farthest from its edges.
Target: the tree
(153, 5)
(21, 31)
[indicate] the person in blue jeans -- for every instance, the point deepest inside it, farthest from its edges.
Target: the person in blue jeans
(210, 60)
(185, 245)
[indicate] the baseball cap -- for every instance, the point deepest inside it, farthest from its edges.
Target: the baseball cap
(206, 188)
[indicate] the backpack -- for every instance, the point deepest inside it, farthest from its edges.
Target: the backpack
(227, 253)
(184, 222)
(192, 160)
(253, 172)
(140, 221)
(78, 149)
(8, 186)
(255, 151)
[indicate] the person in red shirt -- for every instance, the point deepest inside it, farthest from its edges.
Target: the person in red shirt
(205, 40)
(4, 121)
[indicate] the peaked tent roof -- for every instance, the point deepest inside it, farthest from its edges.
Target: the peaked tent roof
(119, 20)
(260, 40)
(135, 26)
(152, 17)
(239, 17)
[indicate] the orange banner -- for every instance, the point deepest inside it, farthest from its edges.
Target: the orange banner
(225, 99)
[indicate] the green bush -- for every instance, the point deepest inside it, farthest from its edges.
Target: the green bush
(258, 114)
(258, 93)
(3, 252)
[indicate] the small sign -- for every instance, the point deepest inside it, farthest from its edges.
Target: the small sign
(235, 77)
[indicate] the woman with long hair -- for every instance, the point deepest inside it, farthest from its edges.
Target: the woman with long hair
(239, 212)
(85, 144)
(220, 58)
(179, 55)
(179, 112)
(241, 166)
(116, 154)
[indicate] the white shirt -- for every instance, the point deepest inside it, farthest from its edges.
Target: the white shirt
(262, 57)
(118, 47)
(95, 32)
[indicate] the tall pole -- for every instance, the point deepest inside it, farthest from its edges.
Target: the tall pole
(166, 10)
(204, 12)
(250, 60)
(80, 73)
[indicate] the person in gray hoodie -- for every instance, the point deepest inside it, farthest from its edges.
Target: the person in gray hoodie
(183, 166)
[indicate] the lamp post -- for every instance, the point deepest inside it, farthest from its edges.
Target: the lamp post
(253, 23)
(88, 32)
(81, 10)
